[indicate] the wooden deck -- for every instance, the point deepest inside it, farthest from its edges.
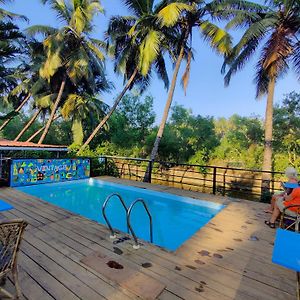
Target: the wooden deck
(230, 258)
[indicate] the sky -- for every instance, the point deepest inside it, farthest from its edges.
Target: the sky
(206, 94)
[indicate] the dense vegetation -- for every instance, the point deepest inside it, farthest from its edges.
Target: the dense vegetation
(58, 75)
(235, 142)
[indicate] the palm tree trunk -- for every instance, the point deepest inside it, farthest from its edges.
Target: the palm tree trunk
(16, 110)
(166, 113)
(113, 108)
(40, 130)
(267, 160)
(54, 109)
(31, 121)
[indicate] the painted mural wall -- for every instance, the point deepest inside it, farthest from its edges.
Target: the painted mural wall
(37, 171)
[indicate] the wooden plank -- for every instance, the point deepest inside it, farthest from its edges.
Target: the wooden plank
(134, 257)
(171, 285)
(54, 287)
(143, 286)
(217, 273)
(31, 201)
(72, 283)
(30, 288)
(66, 260)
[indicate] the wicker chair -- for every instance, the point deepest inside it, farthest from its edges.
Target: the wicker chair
(294, 222)
(11, 233)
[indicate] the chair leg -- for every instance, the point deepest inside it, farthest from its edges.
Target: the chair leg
(298, 285)
(6, 294)
(16, 281)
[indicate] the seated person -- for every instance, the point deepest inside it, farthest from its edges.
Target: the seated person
(291, 174)
(281, 203)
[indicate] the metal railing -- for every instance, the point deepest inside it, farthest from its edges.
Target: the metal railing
(128, 214)
(136, 246)
(113, 235)
(5, 171)
(226, 181)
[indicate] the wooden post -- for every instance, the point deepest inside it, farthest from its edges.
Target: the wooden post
(105, 166)
(150, 170)
(215, 180)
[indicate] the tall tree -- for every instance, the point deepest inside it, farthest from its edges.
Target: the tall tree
(199, 17)
(276, 29)
(82, 110)
(138, 43)
(74, 60)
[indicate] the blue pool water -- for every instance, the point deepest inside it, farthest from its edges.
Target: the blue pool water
(175, 218)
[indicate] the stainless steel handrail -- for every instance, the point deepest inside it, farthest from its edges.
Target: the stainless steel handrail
(136, 246)
(113, 235)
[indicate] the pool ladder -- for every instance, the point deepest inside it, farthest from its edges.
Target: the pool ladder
(128, 214)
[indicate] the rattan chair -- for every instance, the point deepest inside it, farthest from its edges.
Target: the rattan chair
(11, 233)
(294, 221)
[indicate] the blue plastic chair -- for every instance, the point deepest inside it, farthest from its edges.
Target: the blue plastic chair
(286, 252)
(289, 185)
(4, 206)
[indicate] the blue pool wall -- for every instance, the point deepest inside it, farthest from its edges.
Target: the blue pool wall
(25, 172)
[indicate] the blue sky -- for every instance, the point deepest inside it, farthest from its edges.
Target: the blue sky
(206, 93)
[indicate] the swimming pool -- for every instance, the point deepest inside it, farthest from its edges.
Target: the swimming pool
(175, 218)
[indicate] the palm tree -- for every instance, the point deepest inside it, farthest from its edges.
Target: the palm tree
(10, 54)
(72, 57)
(10, 50)
(82, 109)
(137, 43)
(219, 39)
(30, 85)
(29, 123)
(40, 130)
(276, 29)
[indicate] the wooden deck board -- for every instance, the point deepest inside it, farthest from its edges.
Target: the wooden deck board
(57, 240)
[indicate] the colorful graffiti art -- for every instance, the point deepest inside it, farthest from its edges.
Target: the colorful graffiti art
(37, 171)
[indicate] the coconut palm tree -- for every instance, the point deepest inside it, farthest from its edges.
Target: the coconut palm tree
(31, 87)
(73, 57)
(197, 18)
(275, 31)
(82, 109)
(137, 43)
(10, 50)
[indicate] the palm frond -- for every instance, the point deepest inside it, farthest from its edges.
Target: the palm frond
(149, 50)
(60, 7)
(161, 70)
(139, 7)
(237, 61)
(219, 39)
(170, 14)
(186, 75)
(40, 29)
(296, 58)
(4, 14)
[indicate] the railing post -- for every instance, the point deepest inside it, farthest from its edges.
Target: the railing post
(150, 170)
(105, 166)
(215, 180)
